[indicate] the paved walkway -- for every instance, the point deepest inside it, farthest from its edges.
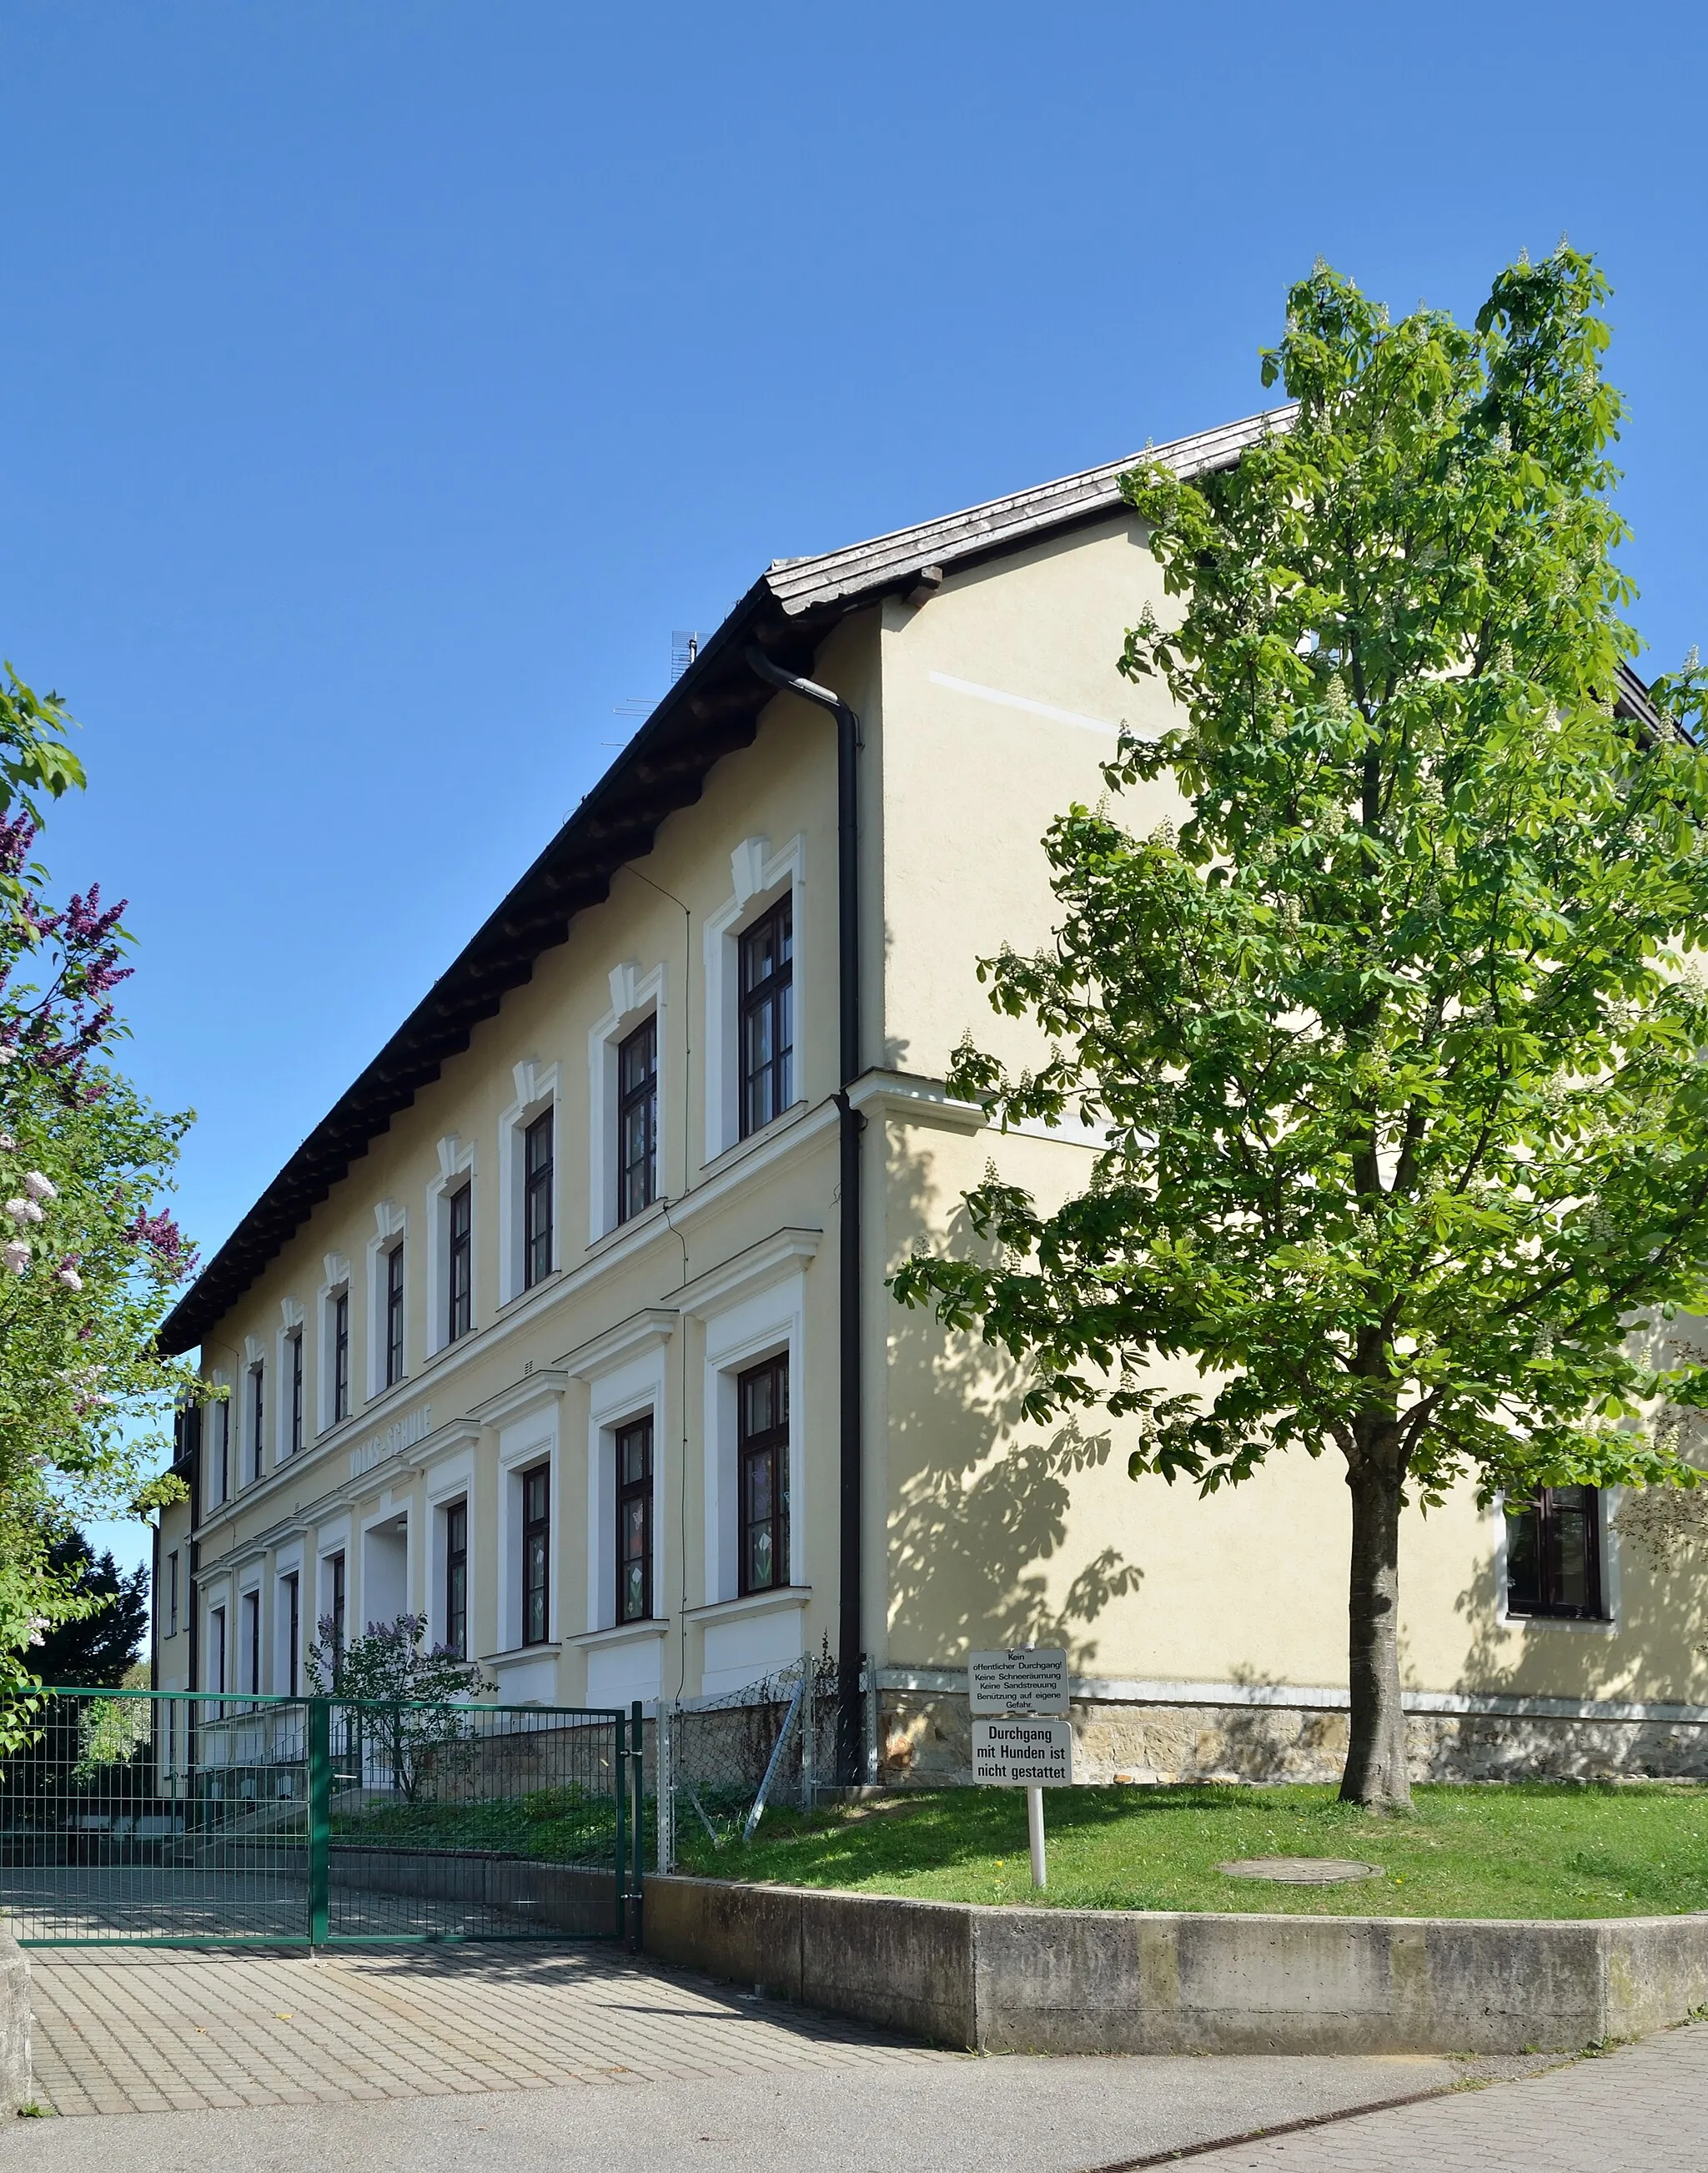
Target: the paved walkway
(509, 2062)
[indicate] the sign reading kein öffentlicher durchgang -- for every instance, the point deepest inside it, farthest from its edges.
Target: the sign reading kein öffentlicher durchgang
(1023, 1679)
(1023, 1754)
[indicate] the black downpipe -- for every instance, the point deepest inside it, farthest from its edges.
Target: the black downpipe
(850, 1763)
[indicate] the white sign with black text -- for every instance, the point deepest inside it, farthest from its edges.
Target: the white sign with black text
(1023, 1679)
(1023, 1753)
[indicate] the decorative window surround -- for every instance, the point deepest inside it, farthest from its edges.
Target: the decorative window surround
(456, 1166)
(337, 1279)
(252, 1449)
(384, 1585)
(743, 1639)
(451, 1481)
(754, 1307)
(391, 1228)
(626, 1379)
(536, 1091)
(288, 1563)
(293, 1321)
(527, 1417)
(1605, 1625)
(759, 878)
(633, 999)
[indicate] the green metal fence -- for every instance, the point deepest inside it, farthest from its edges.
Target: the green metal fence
(192, 1819)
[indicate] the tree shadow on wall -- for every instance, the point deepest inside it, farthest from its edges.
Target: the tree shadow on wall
(979, 1499)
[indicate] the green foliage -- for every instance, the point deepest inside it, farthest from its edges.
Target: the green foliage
(548, 1825)
(93, 1650)
(1395, 1042)
(409, 1693)
(1516, 1850)
(88, 1262)
(1397, 1062)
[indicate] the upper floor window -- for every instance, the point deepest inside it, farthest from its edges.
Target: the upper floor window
(634, 1521)
(341, 1356)
(766, 1016)
(636, 1120)
(257, 1418)
(761, 1409)
(1554, 1553)
(172, 1594)
(294, 1358)
(536, 1554)
(394, 1316)
(460, 1263)
(536, 1201)
(221, 1474)
(457, 1580)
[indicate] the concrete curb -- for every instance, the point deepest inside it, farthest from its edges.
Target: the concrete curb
(1125, 1980)
(17, 2086)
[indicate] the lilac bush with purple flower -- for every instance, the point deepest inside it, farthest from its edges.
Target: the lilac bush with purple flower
(91, 1258)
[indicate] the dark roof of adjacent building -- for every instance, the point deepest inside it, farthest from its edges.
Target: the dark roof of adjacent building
(711, 710)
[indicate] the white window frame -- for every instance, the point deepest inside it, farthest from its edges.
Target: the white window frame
(456, 1164)
(390, 1230)
(537, 1090)
(287, 1564)
(619, 1394)
(530, 1441)
(329, 1540)
(253, 1451)
(1605, 1624)
(219, 1414)
(216, 1644)
(633, 1000)
(251, 1656)
(338, 1283)
(447, 1483)
(767, 1322)
(293, 1321)
(759, 878)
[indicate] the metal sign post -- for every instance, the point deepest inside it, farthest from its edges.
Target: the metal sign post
(1031, 1743)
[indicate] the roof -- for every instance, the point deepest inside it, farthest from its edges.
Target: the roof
(711, 710)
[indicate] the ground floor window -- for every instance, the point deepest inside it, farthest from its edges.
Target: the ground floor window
(634, 1521)
(457, 1580)
(536, 1552)
(1554, 1553)
(762, 1405)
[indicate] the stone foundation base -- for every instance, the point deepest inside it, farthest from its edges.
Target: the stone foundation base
(925, 1741)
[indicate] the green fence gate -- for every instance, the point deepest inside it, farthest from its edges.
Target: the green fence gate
(193, 1818)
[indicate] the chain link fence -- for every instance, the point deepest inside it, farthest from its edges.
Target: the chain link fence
(724, 1760)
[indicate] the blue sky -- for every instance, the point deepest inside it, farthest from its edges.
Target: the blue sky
(382, 384)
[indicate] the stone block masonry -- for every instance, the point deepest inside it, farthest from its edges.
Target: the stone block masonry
(925, 1740)
(1038, 1980)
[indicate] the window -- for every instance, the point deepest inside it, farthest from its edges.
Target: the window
(257, 1417)
(637, 1121)
(394, 1316)
(251, 1644)
(1554, 1553)
(216, 1648)
(634, 1521)
(457, 1580)
(767, 1017)
(172, 1594)
(536, 1549)
(334, 1573)
(761, 1406)
(536, 1201)
(294, 1630)
(341, 1356)
(296, 1367)
(459, 1314)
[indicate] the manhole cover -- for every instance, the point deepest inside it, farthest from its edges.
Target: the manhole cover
(1300, 1870)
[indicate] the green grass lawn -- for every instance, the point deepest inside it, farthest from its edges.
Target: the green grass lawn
(1536, 1850)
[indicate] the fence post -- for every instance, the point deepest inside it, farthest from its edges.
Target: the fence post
(637, 1722)
(620, 1777)
(319, 1817)
(664, 1786)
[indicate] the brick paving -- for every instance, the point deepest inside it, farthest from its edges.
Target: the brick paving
(1644, 2106)
(152, 2033)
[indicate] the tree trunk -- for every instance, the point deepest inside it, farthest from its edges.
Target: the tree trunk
(1376, 1775)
